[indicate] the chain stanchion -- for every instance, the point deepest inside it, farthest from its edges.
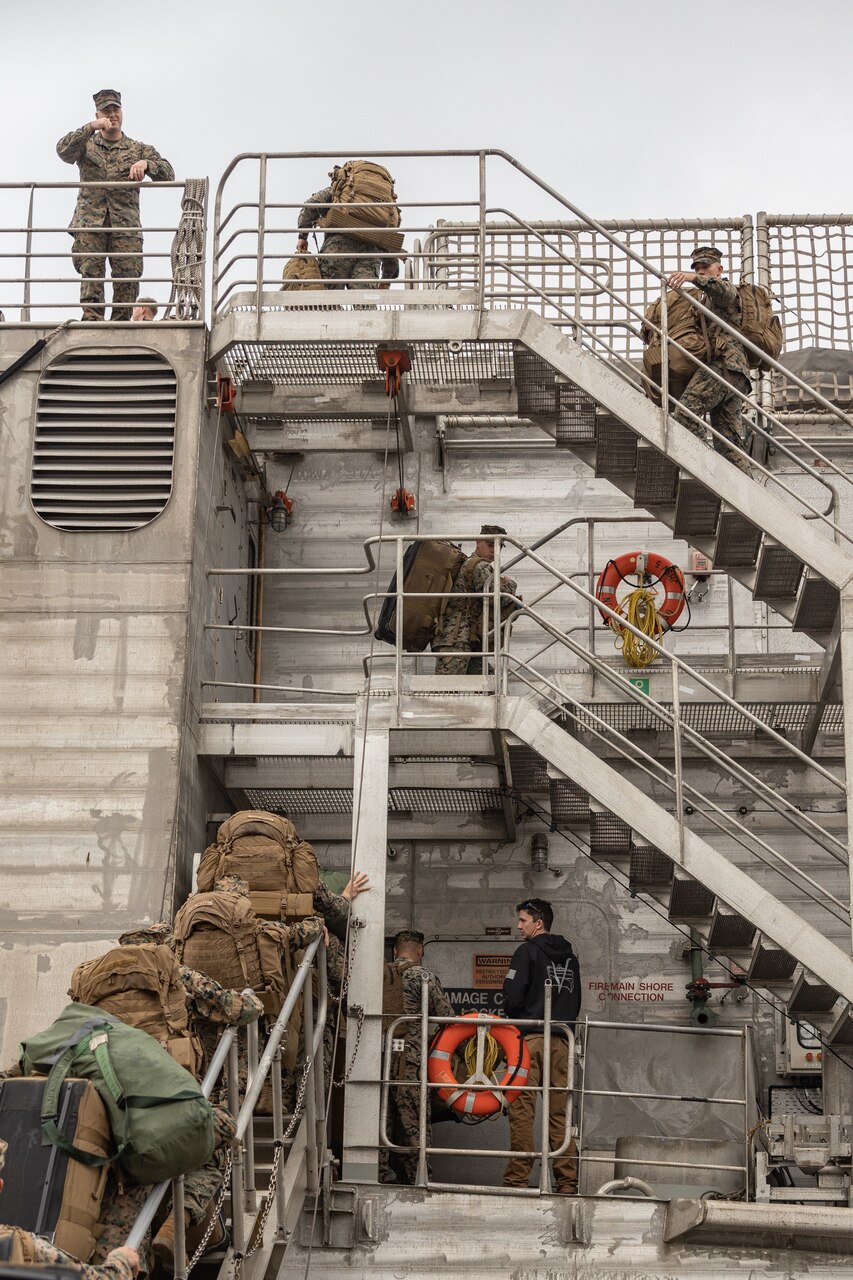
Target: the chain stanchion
(357, 1009)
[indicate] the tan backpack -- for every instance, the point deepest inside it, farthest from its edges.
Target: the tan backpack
(265, 850)
(758, 323)
(141, 986)
(219, 934)
(301, 272)
(16, 1247)
(686, 325)
(393, 1007)
(364, 183)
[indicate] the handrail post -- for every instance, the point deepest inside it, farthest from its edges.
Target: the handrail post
(252, 1071)
(676, 747)
(313, 1179)
(481, 257)
(277, 1133)
(423, 1098)
(398, 629)
(262, 227)
(28, 249)
(664, 363)
(546, 1090)
(179, 1226)
(238, 1225)
(496, 610)
(590, 565)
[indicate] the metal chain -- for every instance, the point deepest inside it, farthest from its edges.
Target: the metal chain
(357, 1009)
(260, 1223)
(214, 1218)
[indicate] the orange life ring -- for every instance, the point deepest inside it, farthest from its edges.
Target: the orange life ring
(654, 566)
(477, 1102)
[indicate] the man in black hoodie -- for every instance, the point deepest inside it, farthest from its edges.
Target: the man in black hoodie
(543, 956)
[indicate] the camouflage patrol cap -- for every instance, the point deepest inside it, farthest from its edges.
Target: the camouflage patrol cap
(231, 884)
(4, 1147)
(408, 935)
(705, 254)
(492, 528)
(156, 933)
(107, 98)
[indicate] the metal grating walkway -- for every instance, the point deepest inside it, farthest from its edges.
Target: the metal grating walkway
(353, 363)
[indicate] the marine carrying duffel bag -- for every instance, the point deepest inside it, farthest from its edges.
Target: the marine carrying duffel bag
(161, 1122)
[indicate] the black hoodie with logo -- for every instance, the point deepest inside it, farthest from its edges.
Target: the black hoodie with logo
(547, 956)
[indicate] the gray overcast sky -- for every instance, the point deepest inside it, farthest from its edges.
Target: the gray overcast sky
(632, 108)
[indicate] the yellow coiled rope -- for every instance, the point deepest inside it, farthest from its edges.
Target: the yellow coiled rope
(640, 610)
(491, 1053)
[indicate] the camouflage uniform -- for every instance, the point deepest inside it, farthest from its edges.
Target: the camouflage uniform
(335, 257)
(123, 1203)
(115, 1266)
(116, 210)
(704, 394)
(463, 618)
(404, 1103)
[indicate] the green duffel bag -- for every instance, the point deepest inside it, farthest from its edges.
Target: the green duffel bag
(161, 1122)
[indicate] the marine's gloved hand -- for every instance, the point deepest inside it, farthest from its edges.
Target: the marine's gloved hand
(130, 1256)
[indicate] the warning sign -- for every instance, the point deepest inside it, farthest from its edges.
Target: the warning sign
(490, 970)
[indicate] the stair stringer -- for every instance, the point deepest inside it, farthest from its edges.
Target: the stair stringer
(627, 403)
(734, 887)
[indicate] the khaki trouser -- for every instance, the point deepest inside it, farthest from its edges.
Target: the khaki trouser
(523, 1110)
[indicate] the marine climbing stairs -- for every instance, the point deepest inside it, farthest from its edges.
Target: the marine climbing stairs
(758, 534)
(774, 946)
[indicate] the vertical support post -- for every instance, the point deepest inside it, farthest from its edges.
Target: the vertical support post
(676, 750)
(238, 1224)
(370, 845)
(481, 235)
(496, 611)
(398, 627)
(262, 227)
(423, 1100)
(590, 575)
(846, 648)
(731, 634)
(544, 1183)
(311, 1166)
(664, 363)
(252, 1062)
(180, 1229)
(28, 249)
(277, 1131)
(319, 1069)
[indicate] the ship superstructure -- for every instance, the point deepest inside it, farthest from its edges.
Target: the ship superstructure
(182, 642)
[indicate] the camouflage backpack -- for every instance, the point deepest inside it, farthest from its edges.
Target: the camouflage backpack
(265, 850)
(141, 986)
(219, 934)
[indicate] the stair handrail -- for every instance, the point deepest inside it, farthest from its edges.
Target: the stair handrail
(635, 373)
(722, 821)
(225, 1049)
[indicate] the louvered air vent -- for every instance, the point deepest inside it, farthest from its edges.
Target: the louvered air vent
(105, 439)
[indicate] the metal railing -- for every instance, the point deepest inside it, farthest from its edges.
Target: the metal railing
(586, 277)
(510, 668)
(479, 1082)
(38, 280)
(249, 1219)
(683, 1093)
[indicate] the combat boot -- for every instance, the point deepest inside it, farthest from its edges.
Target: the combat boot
(164, 1242)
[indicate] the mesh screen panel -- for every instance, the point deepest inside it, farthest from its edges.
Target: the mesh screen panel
(649, 868)
(771, 964)
(608, 835)
(529, 770)
(345, 363)
(697, 510)
(737, 543)
(657, 479)
(575, 416)
(779, 574)
(535, 384)
(688, 899)
(615, 448)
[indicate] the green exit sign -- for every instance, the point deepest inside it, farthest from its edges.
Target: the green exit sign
(641, 683)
